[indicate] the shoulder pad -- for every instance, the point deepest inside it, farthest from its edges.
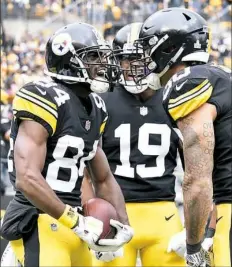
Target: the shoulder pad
(186, 91)
(35, 101)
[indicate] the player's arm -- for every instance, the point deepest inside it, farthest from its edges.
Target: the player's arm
(87, 191)
(29, 154)
(198, 146)
(105, 185)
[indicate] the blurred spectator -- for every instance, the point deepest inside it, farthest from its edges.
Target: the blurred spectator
(6, 116)
(212, 10)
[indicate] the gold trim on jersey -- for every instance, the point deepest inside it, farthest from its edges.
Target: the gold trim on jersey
(184, 108)
(22, 104)
(38, 102)
(102, 127)
(194, 90)
(39, 98)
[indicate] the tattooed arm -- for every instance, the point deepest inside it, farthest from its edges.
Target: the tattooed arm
(198, 145)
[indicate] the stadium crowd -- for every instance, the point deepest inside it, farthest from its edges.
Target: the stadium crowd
(23, 60)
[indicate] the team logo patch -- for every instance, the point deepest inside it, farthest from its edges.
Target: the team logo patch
(61, 44)
(143, 111)
(87, 125)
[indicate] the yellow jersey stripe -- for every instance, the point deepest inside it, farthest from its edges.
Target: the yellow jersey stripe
(39, 98)
(21, 104)
(38, 102)
(190, 97)
(194, 103)
(102, 127)
(171, 101)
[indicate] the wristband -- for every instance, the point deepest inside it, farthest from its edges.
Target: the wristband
(210, 233)
(69, 217)
(192, 249)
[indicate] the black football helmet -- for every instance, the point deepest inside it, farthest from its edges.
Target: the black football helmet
(124, 49)
(77, 53)
(174, 35)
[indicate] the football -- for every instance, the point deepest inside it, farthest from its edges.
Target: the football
(103, 211)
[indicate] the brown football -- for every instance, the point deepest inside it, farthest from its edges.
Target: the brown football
(103, 211)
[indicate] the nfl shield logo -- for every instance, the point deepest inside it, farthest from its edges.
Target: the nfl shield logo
(143, 111)
(87, 125)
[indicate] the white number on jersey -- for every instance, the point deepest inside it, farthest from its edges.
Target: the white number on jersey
(70, 163)
(63, 162)
(61, 95)
(99, 102)
(124, 133)
(222, 67)
(175, 78)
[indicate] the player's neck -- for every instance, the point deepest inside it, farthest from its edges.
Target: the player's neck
(145, 95)
(168, 75)
(80, 90)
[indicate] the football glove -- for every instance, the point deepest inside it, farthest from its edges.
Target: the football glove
(9, 258)
(87, 228)
(108, 256)
(199, 259)
(177, 244)
(124, 234)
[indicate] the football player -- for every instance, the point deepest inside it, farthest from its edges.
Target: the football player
(197, 97)
(55, 132)
(142, 150)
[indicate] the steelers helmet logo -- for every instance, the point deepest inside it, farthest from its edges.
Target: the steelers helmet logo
(61, 44)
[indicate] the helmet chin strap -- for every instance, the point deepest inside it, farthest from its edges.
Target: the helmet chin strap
(99, 86)
(153, 81)
(132, 87)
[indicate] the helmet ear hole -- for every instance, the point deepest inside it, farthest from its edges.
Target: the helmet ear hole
(169, 49)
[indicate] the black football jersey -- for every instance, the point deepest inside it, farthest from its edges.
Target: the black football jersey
(191, 88)
(73, 134)
(141, 146)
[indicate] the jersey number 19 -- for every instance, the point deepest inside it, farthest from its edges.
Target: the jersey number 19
(124, 133)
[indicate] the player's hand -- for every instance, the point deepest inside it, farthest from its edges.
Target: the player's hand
(177, 243)
(88, 229)
(199, 259)
(124, 234)
(108, 256)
